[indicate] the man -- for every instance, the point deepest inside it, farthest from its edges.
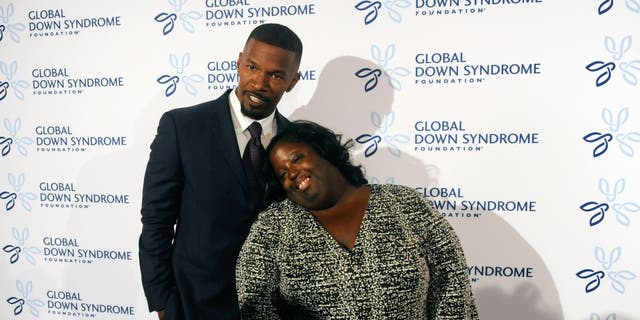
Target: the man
(200, 178)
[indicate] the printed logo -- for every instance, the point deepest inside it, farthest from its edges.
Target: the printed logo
(595, 277)
(611, 193)
(61, 139)
(451, 203)
(69, 250)
(6, 27)
(615, 123)
(453, 136)
(72, 303)
(427, 8)
(595, 316)
(222, 74)
(630, 69)
(8, 71)
(186, 18)
(59, 81)
(55, 23)
(65, 303)
(18, 302)
(451, 68)
(17, 193)
(231, 13)
(383, 60)
(7, 141)
(14, 250)
(65, 195)
(606, 5)
(476, 273)
(382, 136)
(171, 80)
(56, 139)
(372, 8)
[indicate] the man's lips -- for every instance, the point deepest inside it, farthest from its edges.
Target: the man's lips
(256, 98)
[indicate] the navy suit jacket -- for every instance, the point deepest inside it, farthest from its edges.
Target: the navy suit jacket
(195, 180)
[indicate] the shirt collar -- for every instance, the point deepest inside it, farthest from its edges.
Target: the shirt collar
(268, 123)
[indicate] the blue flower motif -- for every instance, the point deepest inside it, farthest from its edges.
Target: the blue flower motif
(611, 192)
(382, 125)
(605, 75)
(169, 18)
(12, 28)
(3, 89)
(607, 261)
(595, 316)
(20, 142)
(594, 276)
(179, 65)
(620, 209)
(624, 140)
(599, 208)
(24, 197)
(33, 304)
(606, 5)
(617, 51)
(367, 138)
(630, 70)
(383, 61)
(186, 18)
(9, 70)
(602, 140)
(14, 251)
(372, 75)
(372, 9)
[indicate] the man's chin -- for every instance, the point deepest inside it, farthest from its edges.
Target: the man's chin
(255, 114)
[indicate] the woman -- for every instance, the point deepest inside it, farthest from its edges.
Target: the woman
(339, 248)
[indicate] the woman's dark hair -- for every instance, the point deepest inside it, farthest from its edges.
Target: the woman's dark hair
(325, 143)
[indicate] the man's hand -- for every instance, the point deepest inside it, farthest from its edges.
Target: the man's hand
(160, 314)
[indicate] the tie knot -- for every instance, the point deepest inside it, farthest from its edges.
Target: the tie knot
(255, 129)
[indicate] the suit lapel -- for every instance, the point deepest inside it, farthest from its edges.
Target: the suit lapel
(225, 141)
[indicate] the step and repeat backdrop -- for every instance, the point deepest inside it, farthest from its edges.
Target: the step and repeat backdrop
(519, 119)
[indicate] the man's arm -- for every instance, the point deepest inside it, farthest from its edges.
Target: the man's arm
(163, 184)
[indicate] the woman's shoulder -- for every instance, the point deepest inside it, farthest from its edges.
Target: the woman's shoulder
(395, 191)
(278, 212)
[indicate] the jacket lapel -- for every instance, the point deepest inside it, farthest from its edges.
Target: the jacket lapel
(225, 141)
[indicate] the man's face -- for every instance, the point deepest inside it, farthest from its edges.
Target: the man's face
(266, 72)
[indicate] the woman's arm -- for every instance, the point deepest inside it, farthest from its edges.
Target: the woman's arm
(257, 276)
(450, 295)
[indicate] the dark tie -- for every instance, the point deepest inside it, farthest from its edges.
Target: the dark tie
(254, 160)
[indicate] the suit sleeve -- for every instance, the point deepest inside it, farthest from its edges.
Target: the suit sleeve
(161, 197)
(449, 296)
(257, 275)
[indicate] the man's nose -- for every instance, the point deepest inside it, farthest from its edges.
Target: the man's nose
(260, 81)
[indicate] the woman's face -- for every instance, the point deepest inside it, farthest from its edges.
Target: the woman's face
(308, 179)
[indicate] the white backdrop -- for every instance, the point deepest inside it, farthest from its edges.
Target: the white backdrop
(520, 119)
